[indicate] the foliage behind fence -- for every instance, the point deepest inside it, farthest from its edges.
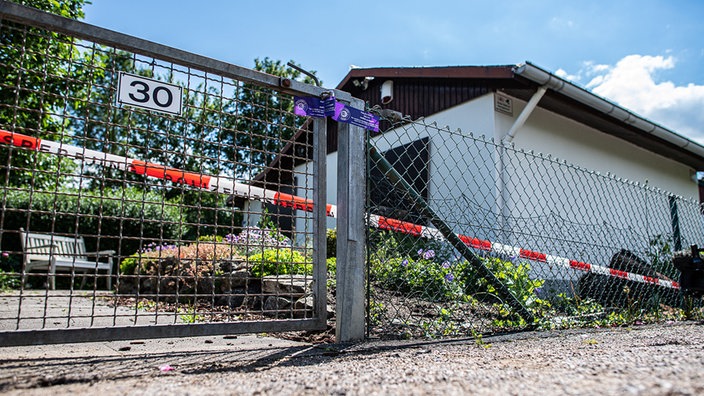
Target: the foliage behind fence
(549, 231)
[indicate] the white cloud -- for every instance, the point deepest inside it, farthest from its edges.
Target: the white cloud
(633, 83)
(561, 23)
(563, 74)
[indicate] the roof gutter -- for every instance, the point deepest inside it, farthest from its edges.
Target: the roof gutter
(557, 84)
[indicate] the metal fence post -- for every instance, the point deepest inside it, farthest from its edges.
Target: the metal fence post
(350, 232)
(319, 220)
(674, 217)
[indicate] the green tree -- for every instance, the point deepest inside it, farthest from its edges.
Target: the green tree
(32, 90)
(261, 125)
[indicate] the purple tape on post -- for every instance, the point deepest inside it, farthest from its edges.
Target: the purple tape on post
(310, 106)
(356, 117)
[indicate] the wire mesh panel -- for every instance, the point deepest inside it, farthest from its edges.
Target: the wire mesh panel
(134, 190)
(571, 246)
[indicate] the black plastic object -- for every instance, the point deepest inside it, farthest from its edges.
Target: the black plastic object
(691, 272)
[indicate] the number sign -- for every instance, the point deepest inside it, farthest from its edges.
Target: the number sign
(149, 94)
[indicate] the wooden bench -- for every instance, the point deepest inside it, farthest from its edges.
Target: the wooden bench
(53, 253)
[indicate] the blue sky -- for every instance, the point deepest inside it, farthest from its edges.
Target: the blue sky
(645, 55)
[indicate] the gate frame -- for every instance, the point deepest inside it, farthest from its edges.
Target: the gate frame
(81, 30)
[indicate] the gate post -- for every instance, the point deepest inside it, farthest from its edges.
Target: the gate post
(350, 231)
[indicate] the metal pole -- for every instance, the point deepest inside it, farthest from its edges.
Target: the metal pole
(320, 297)
(350, 232)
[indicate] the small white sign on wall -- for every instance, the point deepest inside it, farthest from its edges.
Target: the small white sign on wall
(503, 104)
(149, 94)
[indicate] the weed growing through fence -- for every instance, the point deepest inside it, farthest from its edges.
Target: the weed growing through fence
(440, 278)
(660, 254)
(188, 315)
(422, 275)
(376, 312)
(478, 339)
(456, 288)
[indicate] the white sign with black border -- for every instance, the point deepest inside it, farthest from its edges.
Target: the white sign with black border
(503, 104)
(149, 94)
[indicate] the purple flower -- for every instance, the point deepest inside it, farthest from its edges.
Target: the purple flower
(446, 264)
(420, 252)
(449, 277)
(429, 254)
(404, 263)
(5, 254)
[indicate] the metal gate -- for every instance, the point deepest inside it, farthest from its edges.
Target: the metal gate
(135, 196)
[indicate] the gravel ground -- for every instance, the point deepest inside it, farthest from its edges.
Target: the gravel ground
(665, 359)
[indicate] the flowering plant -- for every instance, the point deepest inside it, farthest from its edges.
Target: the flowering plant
(423, 275)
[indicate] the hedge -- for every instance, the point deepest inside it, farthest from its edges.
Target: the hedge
(121, 218)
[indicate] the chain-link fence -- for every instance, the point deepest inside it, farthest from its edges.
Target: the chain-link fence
(128, 170)
(469, 236)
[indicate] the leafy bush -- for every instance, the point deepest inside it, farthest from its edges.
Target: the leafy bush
(211, 238)
(435, 278)
(331, 265)
(120, 218)
(9, 280)
(331, 240)
(515, 275)
(422, 275)
(279, 262)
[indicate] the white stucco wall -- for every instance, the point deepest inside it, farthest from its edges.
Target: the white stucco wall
(549, 133)
(591, 214)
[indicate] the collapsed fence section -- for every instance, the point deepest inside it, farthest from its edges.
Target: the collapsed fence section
(574, 247)
(133, 190)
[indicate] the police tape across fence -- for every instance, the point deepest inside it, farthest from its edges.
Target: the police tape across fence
(228, 186)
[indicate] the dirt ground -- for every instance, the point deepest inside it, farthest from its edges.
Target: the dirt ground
(663, 359)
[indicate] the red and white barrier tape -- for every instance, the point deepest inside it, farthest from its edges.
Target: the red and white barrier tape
(227, 186)
(211, 183)
(386, 223)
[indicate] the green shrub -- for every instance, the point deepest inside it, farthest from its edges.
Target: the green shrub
(9, 280)
(128, 264)
(279, 262)
(423, 275)
(426, 275)
(514, 275)
(211, 238)
(331, 265)
(121, 218)
(331, 239)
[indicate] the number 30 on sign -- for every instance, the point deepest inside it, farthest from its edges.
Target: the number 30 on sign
(149, 94)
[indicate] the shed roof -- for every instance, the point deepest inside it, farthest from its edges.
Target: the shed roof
(442, 84)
